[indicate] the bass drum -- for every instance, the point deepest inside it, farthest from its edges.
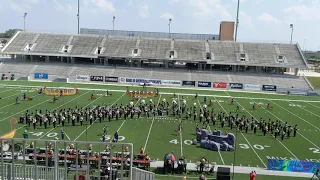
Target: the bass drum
(5, 147)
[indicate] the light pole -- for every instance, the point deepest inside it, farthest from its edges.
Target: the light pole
(237, 22)
(78, 16)
(170, 20)
(114, 18)
(291, 26)
(304, 45)
(24, 21)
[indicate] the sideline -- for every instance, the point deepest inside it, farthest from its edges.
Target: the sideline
(185, 94)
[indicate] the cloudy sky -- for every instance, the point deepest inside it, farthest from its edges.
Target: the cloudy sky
(260, 20)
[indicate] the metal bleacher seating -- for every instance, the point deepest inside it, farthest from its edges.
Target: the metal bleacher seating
(83, 45)
(119, 46)
(61, 70)
(154, 48)
(189, 50)
(50, 43)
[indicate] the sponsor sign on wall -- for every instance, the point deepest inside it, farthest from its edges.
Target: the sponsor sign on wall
(269, 88)
(171, 83)
(110, 79)
(219, 85)
(204, 84)
(82, 78)
(236, 85)
(140, 80)
(96, 78)
(188, 83)
(41, 76)
(252, 87)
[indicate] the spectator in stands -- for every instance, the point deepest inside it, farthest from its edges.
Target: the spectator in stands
(202, 177)
(253, 175)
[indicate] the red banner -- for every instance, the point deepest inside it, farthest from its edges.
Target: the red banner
(219, 85)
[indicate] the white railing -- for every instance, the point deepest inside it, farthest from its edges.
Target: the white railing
(139, 174)
(308, 82)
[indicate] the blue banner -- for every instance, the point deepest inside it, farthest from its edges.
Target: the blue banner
(204, 84)
(293, 165)
(41, 76)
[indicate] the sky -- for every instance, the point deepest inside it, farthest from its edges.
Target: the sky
(259, 20)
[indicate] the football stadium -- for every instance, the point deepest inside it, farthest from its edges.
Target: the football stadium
(113, 104)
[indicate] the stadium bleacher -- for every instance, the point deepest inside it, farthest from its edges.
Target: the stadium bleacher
(224, 52)
(65, 71)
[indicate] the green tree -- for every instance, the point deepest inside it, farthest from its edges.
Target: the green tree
(10, 32)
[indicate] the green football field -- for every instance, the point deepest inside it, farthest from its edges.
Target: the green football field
(159, 134)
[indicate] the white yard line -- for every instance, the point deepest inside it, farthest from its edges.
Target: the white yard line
(125, 120)
(208, 95)
(221, 157)
(55, 109)
(243, 136)
(257, 118)
(67, 136)
(24, 109)
(222, 160)
(10, 89)
(97, 118)
(296, 115)
(145, 145)
(297, 132)
(288, 149)
(308, 111)
(46, 133)
(12, 95)
(313, 105)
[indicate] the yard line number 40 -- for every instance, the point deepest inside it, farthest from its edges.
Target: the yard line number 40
(175, 141)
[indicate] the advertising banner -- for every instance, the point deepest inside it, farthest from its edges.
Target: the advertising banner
(96, 78)
(140, 81)
(110, 79)
(189, 83)
(269, 88)
(82, 78)
(204, 84)
(222, 85)
(41, 76)
(171, 83)
(236, 85)
(293, 165)
(252, 87)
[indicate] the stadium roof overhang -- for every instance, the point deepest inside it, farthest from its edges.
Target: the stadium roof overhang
(50, 54)
(212, 62)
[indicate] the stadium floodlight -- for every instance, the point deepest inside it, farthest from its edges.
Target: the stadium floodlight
(237, 22)
(78, 17)
(291, 26)
(113, 20)
(24, 21)
(170, 20)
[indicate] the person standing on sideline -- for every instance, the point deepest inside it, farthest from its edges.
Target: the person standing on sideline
(253, 175)
(24, 96)
(62, 134)
(17, 100)
(25, 135)
(295, 131)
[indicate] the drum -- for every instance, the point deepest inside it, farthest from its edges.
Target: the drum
(5, 147)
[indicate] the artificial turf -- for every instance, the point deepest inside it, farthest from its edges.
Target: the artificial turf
(159, 134)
